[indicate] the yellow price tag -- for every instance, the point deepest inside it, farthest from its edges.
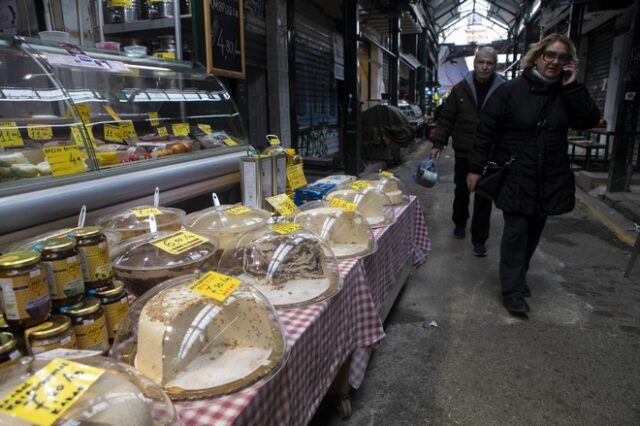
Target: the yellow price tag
(121, 3)
(153, 119)
(274, 140)
(295, 176)
(359, 185)
(283, 204)
(45, 396)
(229, 142)
(39, 133)
(146, 212)
(84, 110)
(386, 174)
(216, 286)
(337, 202)
(206, 128)
(111, 112)
(128, 130)
(112, 133)
(179, 242)
(180, 129)
(64, 160)
(284, 228)
(162, 131)
(10, 134)
(238, 210)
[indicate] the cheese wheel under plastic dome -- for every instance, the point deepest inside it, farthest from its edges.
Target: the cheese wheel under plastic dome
(370, 202)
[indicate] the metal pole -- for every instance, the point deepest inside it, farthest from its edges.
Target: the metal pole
(394, 62)
(422, 71)
(351, 105)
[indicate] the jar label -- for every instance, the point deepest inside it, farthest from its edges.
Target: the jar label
(60, 384)
(25, 296)
(92, 335)
(64, 277)
(114, 313)
(67, 342)
(120, 3)
(96, 265)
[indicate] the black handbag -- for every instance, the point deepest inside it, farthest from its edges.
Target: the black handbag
(493, 175)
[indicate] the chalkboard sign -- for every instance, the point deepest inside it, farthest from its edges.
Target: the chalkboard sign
(224, 33)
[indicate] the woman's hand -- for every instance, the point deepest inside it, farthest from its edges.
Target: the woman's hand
(472, 181)
(569, 74)
(435, 153)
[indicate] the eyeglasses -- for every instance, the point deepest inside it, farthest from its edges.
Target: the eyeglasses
(489, 63)
(550, 56)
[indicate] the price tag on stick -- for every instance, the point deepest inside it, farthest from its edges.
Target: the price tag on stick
(283, 204)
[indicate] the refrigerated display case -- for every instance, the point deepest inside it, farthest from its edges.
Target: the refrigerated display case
(81, 126)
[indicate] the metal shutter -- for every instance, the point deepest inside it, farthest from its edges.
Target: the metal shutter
(598, 60)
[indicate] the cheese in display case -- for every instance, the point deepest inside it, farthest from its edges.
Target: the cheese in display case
(291, 266)
(202, 336)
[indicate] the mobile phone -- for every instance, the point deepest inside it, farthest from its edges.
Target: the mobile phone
(566, 75)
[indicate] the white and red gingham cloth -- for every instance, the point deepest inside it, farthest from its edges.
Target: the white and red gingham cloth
(322, 336)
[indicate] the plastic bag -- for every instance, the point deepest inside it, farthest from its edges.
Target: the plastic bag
(427, 173)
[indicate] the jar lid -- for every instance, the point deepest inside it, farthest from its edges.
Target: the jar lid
(7, 342)
(87, 306)
(19, 259)
(86, 232)
(56, 245)
(55, 325)
(108, 291)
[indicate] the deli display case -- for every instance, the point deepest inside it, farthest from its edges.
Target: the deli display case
(82, 126)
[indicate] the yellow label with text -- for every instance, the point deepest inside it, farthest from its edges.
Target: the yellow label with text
(386, 174)
(359, 185)
(24, 296)
(92, 334)
(283, 204)
(216, 286)
(112, 133)
(285, 228)
(229, 142)
(96, 265)
(206, 128)
(165, 55)
(10, 134)
(154, 119)
(128, 130)
(337, 202)
(295, 176)
(114, 313)
(84, 110)
(111, 112)
(146, 212)
(179, 242)
(64, 160)
(180, 129)
(162, 131)
(44, 397)
(64, 277)
(39, 133)
(238, 210)
(120, 3)
(76, 133)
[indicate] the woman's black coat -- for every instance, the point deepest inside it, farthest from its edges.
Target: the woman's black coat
(540, 181)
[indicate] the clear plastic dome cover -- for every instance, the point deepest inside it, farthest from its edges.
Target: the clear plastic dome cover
(29, 243)
(370, 202)
(292, 269)
(346, 232)
(226, 221)
(145, 261)
(120, 395)
(198, 346)
(132, 222)
(389, 184)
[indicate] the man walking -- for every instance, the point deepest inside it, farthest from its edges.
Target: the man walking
(459, 118)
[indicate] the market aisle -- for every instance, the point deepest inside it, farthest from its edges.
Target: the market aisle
(576, 361)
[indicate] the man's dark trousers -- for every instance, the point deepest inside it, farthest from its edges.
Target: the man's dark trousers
(481, 219)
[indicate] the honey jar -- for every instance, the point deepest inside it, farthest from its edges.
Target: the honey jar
(94, 256)
(23, 292)
(9, 352)
(55, 333)
(63, 272)
(115, 303)
(88, 321)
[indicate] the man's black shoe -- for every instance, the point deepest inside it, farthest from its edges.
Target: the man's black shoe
(516, 304)
(479, 250)
(458, 232)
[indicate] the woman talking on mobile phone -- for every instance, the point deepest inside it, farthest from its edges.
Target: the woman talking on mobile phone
(527, 120)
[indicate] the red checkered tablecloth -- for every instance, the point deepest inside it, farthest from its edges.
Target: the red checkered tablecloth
(322, 336)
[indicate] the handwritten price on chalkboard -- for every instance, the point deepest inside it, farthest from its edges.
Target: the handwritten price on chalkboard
(227, 47)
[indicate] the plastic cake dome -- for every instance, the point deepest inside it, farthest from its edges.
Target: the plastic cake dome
(292, 267)
(132, 222)
(117, 394)
(202, 336)
(147, 260)
(372, 203)
(225, 222)
(346, 232)
(389, 184)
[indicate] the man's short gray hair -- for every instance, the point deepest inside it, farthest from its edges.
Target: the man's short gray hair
(489, 51)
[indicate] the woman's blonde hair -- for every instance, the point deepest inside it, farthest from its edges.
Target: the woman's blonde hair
(537, 49)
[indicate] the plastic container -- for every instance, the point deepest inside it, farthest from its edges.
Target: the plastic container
(195, 345)
(291, 268)
(58, 36)
(135, 50)
(372, 203)
(386, 182)
(108, 45)
(133, 222)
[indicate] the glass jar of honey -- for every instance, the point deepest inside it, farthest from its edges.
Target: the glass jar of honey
(55, 333)
(9, 352)
(115, 303)
(89, 323)
(63, 271)
(94, 256)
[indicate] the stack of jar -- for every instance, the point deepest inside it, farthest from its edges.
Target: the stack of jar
(60, 295)
(125, 11)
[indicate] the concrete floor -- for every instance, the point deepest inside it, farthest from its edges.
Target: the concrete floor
(575, 361)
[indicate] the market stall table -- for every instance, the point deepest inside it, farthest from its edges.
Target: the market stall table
(323, 336)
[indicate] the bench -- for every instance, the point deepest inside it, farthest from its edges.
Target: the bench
(588, 146)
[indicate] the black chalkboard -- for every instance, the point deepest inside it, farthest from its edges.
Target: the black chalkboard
(224, 32)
